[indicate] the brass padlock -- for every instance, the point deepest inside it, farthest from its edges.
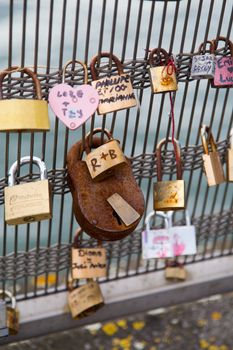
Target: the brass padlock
(23, 114)
(162, 72)
(175, 271)
(203, 64)
(102, 161)
(115, 92)
(87, 262)
(84, 300)
(212, 163)
(28, 202)
(230, 159)
(12, 314)
(4, 332)
(169, 195)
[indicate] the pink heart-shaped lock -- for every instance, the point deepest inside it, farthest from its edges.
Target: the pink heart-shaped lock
(73, 106)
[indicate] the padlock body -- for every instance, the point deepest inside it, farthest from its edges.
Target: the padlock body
(183, 240)
(169, 195)
(12, 320)
(28, 202)
(230, 165)
(161, 81)
(203, 66)
(24, 115)
(4, 332)
(115, 93)
(223, 76)
(213, 168)
(156, 244)
(176, 273)
(84, 298)
(88, 262)
(102, 161)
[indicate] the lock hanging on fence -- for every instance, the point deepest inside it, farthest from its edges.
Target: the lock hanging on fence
(115, 92)
(203, 64)
(175, 271)
(211, 160)
(23, 114)
(4, 332)
(169, 195)
(223, 76)
(230, 159)
(12, 314)
(87, 262)
(162, 76)
(102, 161)
(85, 300)
(28, 202)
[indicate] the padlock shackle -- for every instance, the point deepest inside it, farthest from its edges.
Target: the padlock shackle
(25, 70)
(9, 295)
(202, 47)
(158, 51)
(78, 62)
(76, 237)
(187, 217)
(70, 282)
(116, 60)
(25, 160)
(177, 152)
(88, 144)
(222, 38)
(206, 141)
(153, 214)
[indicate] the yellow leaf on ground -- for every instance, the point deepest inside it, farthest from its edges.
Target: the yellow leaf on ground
(204, 344)
(202, 323)
(110, 328)
(216, 316)
(157, 340)
(122, 324)
(153, 348)
(223, 347)
(125, 343)
(213, 347)
(138, 325)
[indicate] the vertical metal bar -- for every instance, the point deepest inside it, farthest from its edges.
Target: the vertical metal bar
(62, 34)
(75, 41)
(88, 30)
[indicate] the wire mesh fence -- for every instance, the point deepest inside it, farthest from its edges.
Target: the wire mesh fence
(43, 35)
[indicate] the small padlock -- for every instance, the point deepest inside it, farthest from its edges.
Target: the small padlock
(115, 92)
(102, 161)
(23, 114)
(212, 163)
(223, 76)
(169, 195)
(156, 243)
(175, 271)
(87, 262)
(4, 332)
(84, 300)
(28, 202)
(203, 64)
(230, 159)
(12, 314)
(163, 75)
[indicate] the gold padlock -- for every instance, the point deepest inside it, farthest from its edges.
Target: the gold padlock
(175, 271)
(87, 262)
(102, 161)
(85, 300)
(230, 159)
(23, 114)
(12, 313)
(169, 195)
(162, 76)
(212, 163)
(115, 92)
(28, 202)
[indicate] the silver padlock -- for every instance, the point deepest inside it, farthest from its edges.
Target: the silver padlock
(3, 320)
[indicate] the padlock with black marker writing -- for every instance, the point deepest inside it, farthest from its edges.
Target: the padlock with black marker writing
(203, 64)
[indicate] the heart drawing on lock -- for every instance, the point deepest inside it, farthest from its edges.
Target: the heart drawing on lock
(73, 106)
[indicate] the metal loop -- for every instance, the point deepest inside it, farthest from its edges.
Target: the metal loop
(156, 213)
(78, 62)
(202, 47)
(210, 140)
(9, 295)
(116, 60)
(88, 145)
(228, 42)
(158, 52)
(187, 217)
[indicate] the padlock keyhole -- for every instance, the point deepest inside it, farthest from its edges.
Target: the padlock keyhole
(117, 217)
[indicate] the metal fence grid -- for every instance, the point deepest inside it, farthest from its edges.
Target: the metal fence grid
(41, 34)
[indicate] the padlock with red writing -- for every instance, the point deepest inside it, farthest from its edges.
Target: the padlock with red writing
(223, 76)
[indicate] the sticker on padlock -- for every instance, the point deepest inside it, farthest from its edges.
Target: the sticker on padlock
(87, 262)
(28, 202)
(162, 74)
(230, 159)
(203, 64)
(102, 161)
(169, 195)
(115, 92)
(23, 114)
(211, 160)
(12, 314)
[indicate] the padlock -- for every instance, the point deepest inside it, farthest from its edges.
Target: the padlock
(223, 76)
(87, 262)
(28, 202)
(115, 92)
(163, 75)
(12, 314)
(4, 332)
(23, 114)
(102, 161)
(156, 243)
(85, 300)
(175, 271)
(211, 160)
(169, 195)
(230, 159)
(203, 64)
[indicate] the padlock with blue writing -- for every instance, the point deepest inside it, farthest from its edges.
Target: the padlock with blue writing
(203, 64)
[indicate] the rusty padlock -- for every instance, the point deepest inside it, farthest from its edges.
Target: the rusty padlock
(169, 195)
(230, 159)
(102, 161)
(162, 73)
(12, 314)
(203, 64)
(211, 160)
(115, 92)
(28, 202)
(23, 114)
